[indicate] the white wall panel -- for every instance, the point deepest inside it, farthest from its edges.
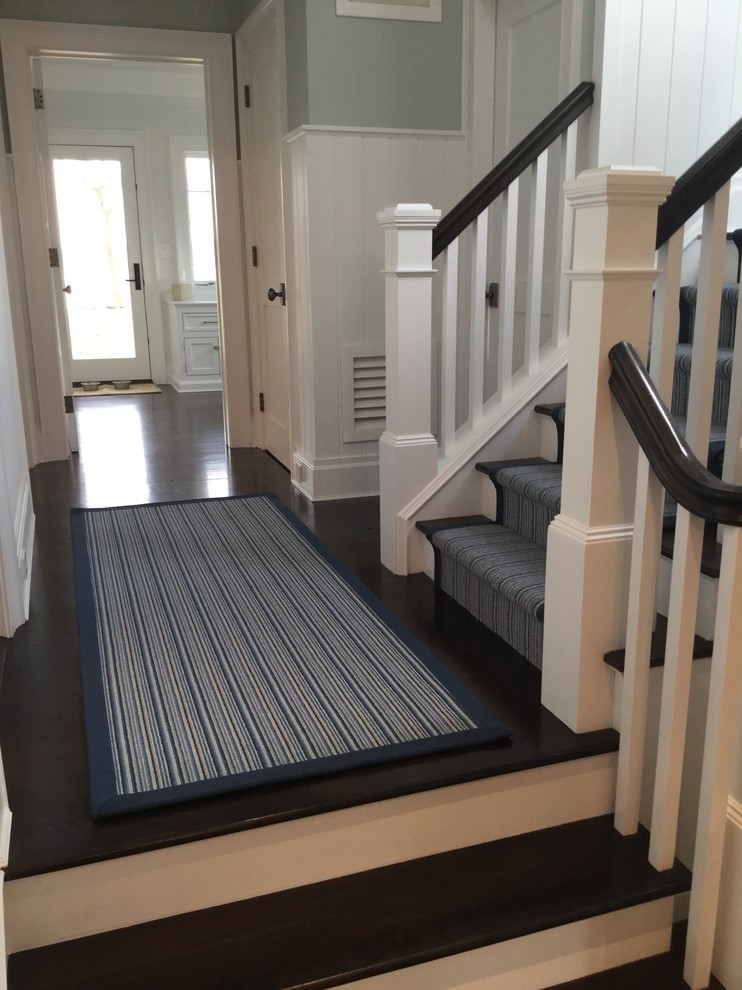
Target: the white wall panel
(348, 176)
(671, 80)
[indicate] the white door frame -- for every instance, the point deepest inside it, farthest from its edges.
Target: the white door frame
(20, 41)
(265, 9)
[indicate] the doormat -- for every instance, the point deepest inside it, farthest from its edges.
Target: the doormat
(223, 647)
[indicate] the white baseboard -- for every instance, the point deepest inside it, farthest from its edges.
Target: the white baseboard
(25, 531)
(196, 384)
(325, 478)
(85, 900)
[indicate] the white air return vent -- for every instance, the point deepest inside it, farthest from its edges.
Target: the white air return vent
(364, 391)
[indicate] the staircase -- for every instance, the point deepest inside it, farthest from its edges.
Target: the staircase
(496, 568)
(495, 867)
(599, 514)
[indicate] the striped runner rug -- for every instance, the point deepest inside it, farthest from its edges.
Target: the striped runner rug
(222, 648)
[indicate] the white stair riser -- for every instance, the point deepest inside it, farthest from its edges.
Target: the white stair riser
(534, 962)
(112, 894)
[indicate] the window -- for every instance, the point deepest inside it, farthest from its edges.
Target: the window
(194, 220)
(200, 218)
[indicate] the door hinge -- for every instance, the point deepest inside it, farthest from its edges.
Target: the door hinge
(261, 400)
(254, 256)
(492, 295)
(54, 257)
(247, 96)
(38, 99)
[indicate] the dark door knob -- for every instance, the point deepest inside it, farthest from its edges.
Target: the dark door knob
(281, 294)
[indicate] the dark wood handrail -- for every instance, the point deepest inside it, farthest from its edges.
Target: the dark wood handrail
(696, 186)
(690, 483)
(516, 161)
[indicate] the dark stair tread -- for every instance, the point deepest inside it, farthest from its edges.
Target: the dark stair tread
(701, 648)
(486, 467)
(330, 933)
(431, 526)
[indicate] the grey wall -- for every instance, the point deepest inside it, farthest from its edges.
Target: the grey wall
(297, 79)
(186, 15)
(373, 73)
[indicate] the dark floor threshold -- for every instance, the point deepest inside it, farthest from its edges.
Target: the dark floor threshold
(701, 648)
(331, 933)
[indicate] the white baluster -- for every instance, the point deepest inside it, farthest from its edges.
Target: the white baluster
(448, 349)
(564, 232)
(648, 511)
(535, 283)
(688, 546)
(721, 728)
(478, 315)
(507, 289)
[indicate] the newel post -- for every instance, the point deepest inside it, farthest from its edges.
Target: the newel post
(408, 452)
(589, 542)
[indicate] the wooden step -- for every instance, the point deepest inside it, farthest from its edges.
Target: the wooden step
(70, 878)
(376, 922)
(701, 648)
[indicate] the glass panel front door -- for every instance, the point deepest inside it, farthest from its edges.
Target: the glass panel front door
(100, 249)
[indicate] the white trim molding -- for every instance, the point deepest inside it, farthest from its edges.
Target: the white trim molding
(325, 478)
(21, 41)
(395, 10)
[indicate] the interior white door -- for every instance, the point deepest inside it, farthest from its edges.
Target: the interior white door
(533, 72)
(102, 262)
(527, 67)
(264, 209)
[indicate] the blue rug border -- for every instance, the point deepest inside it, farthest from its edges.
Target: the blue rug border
(105, 802)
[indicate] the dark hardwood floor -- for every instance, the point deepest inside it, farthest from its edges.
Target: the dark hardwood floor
(170, 447)
(151, 448)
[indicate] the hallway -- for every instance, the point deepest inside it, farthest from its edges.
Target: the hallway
(170, 447)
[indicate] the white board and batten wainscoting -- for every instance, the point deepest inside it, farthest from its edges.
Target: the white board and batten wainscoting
(335, 182)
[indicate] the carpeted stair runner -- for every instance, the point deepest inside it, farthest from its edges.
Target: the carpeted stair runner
(497, 569)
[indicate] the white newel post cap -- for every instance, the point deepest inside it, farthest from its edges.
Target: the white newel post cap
(616, 217)
(408, 233)
(417, 215)
(618, 184)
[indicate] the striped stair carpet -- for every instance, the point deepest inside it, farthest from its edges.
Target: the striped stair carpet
(496, 570)
(222, 648)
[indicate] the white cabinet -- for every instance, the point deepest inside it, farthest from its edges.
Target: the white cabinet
(194, 363)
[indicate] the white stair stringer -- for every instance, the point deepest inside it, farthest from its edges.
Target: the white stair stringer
(129, 890)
